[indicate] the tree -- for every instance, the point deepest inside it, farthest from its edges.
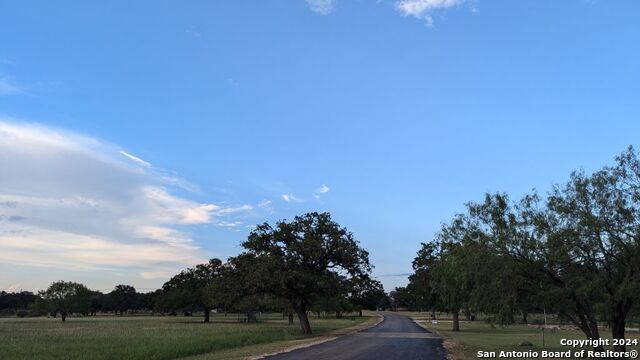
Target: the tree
(148, 300)
(122, 298)
(96, 302)
(421, 281)
(450, 283)
(579, 248)
(453, 272)
(366, 293)
(186, 290)
(401, 297)
(531, 234)
(598, 222)
(300, 261)
(66, 297)
(17, 302)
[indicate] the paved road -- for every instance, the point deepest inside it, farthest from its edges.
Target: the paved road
(396, 338)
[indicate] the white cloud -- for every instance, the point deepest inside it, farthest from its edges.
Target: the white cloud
(320, 191)
(232, 210)
(9, 88)
(156, 274)
(264, 203)
(322, 7)
(194, 33)
(229, 224)
(135, 158)
(422, 9)
(13, 288)
(34, 246)
(290, 198)
(74, 202)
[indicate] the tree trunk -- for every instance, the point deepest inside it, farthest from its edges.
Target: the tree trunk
(251, 317)
(290, 316)
(63, 316)
(581, 317)
(586, 321)
(456, 321)
(304, 320)
(617, 332)
(207, 313)
(525, 317)
(467, 315)
(360, 312)
(618, 322)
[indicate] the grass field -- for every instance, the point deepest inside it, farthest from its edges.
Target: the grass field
(480, 335)
(147, 337)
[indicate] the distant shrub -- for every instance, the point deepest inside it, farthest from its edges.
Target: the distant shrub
(7, 312)
(22, 313)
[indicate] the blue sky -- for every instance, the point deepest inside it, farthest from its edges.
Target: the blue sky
(137, 138)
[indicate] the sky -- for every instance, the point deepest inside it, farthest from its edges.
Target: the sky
(141, 138)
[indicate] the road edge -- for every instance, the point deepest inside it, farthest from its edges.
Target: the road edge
(319, 341)
(427, 328)
(447, 343)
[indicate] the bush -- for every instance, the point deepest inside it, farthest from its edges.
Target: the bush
(7, 312)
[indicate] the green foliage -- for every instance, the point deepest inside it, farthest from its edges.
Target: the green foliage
(16, 302)
(121, 298)
(309, 260)
(66, 297)
(186, 290)
(366, 293)
(576, 254)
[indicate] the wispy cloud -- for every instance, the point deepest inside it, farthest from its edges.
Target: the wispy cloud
(290, 198)
(394, 275)
(320, 191)
(322, 7)
(8, 87)
(135, 158)
(422, 9)
(232, 210)
(230, 224)
(85, 204)
(264, 203)
(156, 274)
(194, 33)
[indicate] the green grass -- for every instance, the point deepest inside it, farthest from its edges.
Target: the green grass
(479, 335)
(145, 337)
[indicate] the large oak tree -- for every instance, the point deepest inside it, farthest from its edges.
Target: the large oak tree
(301, 261)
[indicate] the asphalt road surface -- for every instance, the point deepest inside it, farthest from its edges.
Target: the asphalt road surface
(395, 338)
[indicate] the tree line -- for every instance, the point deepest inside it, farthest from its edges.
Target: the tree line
(308, 265)
(64, 298)
(574, 253)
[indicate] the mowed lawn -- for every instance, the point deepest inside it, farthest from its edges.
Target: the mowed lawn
(481, 336)
(145, 337)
